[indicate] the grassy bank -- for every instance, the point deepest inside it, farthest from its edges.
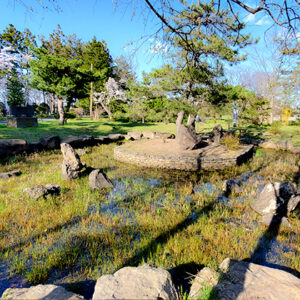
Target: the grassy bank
(150, 216)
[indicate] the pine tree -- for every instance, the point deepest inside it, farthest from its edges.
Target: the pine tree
(14, 87)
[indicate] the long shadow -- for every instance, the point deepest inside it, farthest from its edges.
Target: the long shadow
(264, 245)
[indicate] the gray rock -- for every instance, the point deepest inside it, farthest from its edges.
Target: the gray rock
(216, 135)
(50, 142)
(272, 219)
(149, 134)
(293, 203)
(285, 145)
(232, 186)
(99, 180)
(40, 292)
(12, 146)
(71, 165)
(295, 150)
(14, 173)
(206, 277)
(79, 141)
(134, 135)
(35, 147)
(143, 282)
(42, 191)
(114, 137)
(245, 281)
(268, 145)
(274, 197)
(186, 136)
(164, 135)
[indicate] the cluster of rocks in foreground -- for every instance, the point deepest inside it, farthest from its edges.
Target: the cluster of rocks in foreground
(234, 280)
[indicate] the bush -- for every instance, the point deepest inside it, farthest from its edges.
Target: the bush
(231, 142)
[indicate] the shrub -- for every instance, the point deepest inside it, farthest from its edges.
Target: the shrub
(231, 142)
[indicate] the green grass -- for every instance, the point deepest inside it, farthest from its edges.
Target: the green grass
(105, 126)
(80, 127)
(80, 235)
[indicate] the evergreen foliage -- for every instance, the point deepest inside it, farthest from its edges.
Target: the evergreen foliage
(14, 89)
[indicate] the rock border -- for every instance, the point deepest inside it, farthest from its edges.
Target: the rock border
(179, 162)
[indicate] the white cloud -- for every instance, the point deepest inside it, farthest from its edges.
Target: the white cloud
(263, 21)
(249, 18)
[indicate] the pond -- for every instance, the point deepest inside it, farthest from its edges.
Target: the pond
(174, 219)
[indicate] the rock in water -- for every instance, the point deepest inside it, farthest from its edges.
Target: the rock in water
(71, 165)
(99, 180)
(186, 136)
(276, 198)
(40, 292)
(143, 282)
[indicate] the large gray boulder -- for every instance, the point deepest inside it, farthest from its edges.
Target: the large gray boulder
(277, 198)
(40, 292)
(42, 191)
(71, 165)
(14, 173)
(186, 136)
(99, 180)
(244, 281)
(143, 282)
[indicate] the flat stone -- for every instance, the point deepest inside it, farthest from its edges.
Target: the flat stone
(143, 282)
(164, 135)
(14, 173)
(245, 281)
(40, 292)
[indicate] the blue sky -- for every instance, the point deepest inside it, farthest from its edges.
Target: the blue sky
(88, 18)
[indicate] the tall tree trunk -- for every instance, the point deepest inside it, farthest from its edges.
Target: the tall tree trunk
(91, 96)
(61, 112)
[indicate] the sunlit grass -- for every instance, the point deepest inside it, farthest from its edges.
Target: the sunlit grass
(82, 234)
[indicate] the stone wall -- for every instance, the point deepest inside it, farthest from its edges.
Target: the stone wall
(186, 163)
